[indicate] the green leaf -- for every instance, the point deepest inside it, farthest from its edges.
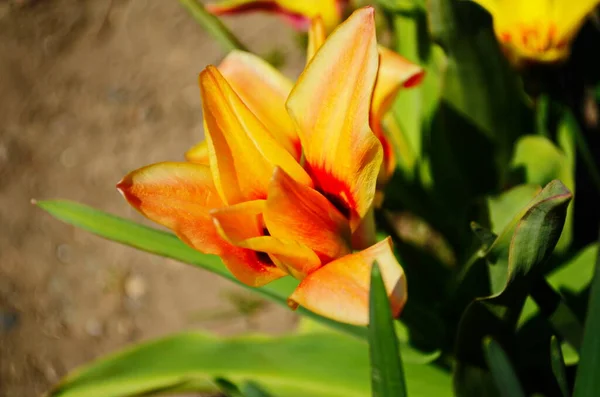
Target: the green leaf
(168, 245)
(212, 25)
(539, 161)
(502, 207)
(515, 259)
(401, 5)
(529, 238)
(253, 389)
(569, 281)
(587, 382)
(414, 107)
(387, 375)
(229, 389)
(574, 276)
(503, 373)
(558, 366)
(316, 365)
(409, 354)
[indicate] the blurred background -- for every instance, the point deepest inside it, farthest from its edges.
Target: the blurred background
(91, 90)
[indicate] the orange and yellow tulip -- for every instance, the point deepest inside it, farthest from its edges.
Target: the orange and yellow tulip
(249, 198)
(297, 13)
(537, 30)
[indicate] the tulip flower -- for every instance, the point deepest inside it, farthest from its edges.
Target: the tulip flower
(537, 30)
(247, 198)
(297, 13)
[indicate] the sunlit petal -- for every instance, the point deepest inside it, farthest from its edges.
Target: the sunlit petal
(198, 154)
(394, 72)
(178, 196)
(340, 289)
(299, 213)
(242, 152)
(316, 37)
(330, 105)
(242, 225)
(264, 90)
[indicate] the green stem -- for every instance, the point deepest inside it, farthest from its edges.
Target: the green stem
(213, 25)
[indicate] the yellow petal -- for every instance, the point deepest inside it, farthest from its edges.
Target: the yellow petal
(571, 15)
(198, 154)
(264, 90)
(340, 289)
(242, 153)
(298, 13)
(178, 196)
(299, 213)
(394, 72)
(330, 105)
(316, 37)
(242, 225)
(537, 30)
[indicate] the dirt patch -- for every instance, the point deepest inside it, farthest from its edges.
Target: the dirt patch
(91, 90)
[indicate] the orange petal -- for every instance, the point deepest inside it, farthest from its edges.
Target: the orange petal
(198, 154)
(242, 152)
(178, 196)
(250, 267)
(242, 226)
(330, 105)
(316, 37)
(237, 224)
(264, 90)
(299, 213)
(395, 72)
(340, 289)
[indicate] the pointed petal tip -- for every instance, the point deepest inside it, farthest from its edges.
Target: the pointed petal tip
(415, 79)
(340, 289)
(209, 72)
(123, 186)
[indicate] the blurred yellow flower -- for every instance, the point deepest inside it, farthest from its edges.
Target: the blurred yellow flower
(537, 30)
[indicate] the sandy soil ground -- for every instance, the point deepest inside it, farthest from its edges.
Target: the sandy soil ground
(90, 90)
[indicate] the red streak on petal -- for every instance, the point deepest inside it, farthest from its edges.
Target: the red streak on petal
(335, 190)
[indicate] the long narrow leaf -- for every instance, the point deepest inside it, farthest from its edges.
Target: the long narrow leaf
(558, 366)
(587, 383)
(387, 374)
(316, 365)
(212, 25)
(168, 245)
(502, 371)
